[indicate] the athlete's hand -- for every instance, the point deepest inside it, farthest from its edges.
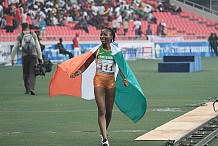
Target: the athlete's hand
(125, 81)
(73, 75)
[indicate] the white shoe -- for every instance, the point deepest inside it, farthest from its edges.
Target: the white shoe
(105, 143)
(101, 138)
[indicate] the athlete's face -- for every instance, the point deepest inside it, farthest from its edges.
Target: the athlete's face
(105, 36)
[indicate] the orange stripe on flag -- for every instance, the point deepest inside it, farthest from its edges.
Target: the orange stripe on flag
(62, 84)
(72, 65)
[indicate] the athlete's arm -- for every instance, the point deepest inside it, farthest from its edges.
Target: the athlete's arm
(83, 67)
(125, 81)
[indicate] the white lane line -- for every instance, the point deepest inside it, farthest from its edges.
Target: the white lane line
(55, 111)
(167, 109)
(73, 131)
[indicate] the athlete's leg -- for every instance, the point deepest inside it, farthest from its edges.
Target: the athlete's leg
(100, 101)
(109, 103)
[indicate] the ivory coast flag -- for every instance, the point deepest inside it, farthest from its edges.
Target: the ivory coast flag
(130, 100)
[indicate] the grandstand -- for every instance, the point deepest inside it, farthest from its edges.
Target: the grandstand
(185, 23)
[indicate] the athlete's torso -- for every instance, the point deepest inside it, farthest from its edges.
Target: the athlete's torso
(105, 62)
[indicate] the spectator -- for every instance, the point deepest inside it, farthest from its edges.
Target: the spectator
(117, 10)
(76, 48)
(160, 7)
(24, 16)
(125, 26)
(11, 2)
(94, 9)
(54, 20)
(3, 23)
(49, 3)
(60, 20)
(115, 25)
(148, 32)
(48, 18)
(101, 9)
(4, 3)
(29, 20)
(84, 25)
(29, 58)
(176, 9)
(9, 22)
(119, 20)
(100, 21)
(33, 11)
(152, 19)
(141, 13)
(166, 4)
(137, 27)
(61, 3)
(17, 18)
(109, 22)
(35, 23)
(147, 8)
(41, 13)
(62, 50)
(1, 11)
(125, 13)
(213, 42)
(42, 27)
(160, 29)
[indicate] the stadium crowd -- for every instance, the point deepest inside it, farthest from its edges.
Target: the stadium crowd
(98, 13)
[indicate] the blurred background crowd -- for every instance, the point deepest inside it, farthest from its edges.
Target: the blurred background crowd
(98, 13)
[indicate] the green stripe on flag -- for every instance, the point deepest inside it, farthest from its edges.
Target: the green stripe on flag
(130, 100)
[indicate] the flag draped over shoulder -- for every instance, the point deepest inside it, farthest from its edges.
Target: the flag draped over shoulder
(130, 100)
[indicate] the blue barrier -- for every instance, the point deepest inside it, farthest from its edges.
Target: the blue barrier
(183, 49)
(180, 64)
(138, 52)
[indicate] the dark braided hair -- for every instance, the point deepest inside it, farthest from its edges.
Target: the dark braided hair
(112, 33)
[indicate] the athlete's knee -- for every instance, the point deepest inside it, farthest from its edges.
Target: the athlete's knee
(108, 113)
(101, 111)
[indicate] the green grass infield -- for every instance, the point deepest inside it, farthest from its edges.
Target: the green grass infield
(39, 120)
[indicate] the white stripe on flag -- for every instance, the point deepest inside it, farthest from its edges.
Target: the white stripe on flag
(95, 48)
(114, 49)
(87, 82)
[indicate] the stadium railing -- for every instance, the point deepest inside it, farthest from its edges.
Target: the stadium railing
(190, 3)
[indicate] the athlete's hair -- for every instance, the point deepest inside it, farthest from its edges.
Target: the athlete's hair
(112, 33)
